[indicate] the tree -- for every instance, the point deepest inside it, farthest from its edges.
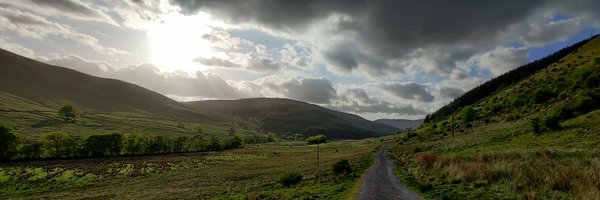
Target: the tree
(8, 143)
(133, 144)
(317, 139)
(69, 113)
(31, 150)
(197, 143)
(55, 143)
(214, 145)
(468, 114)
(179, 144)
(232, 142)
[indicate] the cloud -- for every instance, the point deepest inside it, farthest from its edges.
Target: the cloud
(94, 68)
(28, 25)
(297, 55)
(183, 85)
(262, 63)
(450, 92)
(222, 40)
(314, 90)
(380, 39)
(499, 60)
(411, 91)
(357, 100)
(217, 62)
(16, 48)
(376, 32)
(73, 9)
(178, 83)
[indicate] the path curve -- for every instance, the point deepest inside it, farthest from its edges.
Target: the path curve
(381, 183)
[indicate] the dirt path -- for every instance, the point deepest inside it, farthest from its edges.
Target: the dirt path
(381, 183)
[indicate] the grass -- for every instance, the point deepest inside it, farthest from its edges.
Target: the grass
(30, 120)
(505, 161)
(251, 172)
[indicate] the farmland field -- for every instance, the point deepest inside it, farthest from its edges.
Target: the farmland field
(249, 172)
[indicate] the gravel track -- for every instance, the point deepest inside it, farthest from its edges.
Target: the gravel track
(381, 183)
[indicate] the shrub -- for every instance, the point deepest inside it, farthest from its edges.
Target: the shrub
(318, 139)
(426, 159)
(290, 179)
(536, 125)
(8, 143)
(341, 167)
(552, 121)
(543, 94)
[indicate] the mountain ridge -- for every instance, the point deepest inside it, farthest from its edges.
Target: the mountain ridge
(280, 115)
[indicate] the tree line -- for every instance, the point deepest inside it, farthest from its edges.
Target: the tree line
(62, 145)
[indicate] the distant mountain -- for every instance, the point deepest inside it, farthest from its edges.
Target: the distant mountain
(401, 123)
(54, 86)
(290, 116)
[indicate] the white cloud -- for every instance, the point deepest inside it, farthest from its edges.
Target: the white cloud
(28, 25)
(499, 60)
(73, 9)
(16, 48)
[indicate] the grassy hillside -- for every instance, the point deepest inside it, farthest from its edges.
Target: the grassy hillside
(402, 123)
(536, 138)
(53, 87)
(289, 116)
(32, 92)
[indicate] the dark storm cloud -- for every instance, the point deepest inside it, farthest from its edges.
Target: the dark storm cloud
(314, 90)
(408, 91)
(388, 28)
(450, 92)
(274, 14)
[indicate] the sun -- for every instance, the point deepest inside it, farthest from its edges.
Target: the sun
(176, 41)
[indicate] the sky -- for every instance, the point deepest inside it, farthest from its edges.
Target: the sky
(376, 59)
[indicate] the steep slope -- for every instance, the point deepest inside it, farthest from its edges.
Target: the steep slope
(401, 123)
(54, 86)
(536, 137)
(289, 116)
(568, 87)
(504, 80)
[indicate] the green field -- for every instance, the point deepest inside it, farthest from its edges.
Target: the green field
(250, 172)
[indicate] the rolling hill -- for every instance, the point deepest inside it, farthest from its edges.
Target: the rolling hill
(32, 91)
(402, 123)
(532, 133)
(285, 115)
(54, 86)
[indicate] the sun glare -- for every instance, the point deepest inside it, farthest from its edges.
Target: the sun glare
(176, 41)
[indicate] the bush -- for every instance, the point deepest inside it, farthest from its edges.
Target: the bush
(318, 139)
(552, 121)
(290, 179)
(341, 167)
(543, 94)
(8, 143)
(536, 125)
(426, 159)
